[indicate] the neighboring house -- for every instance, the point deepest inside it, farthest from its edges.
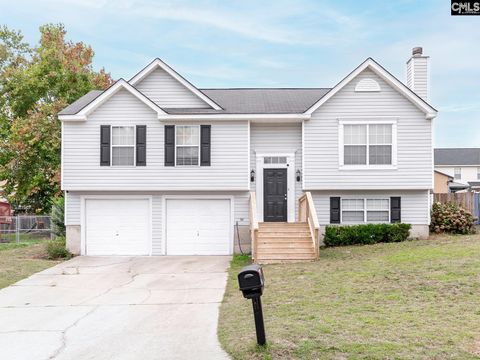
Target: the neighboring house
(463, 164)
(441, 182)
(155, 166)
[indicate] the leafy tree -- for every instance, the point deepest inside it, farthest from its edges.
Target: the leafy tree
(34, 85)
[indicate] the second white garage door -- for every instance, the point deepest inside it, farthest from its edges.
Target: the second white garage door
(198, 227)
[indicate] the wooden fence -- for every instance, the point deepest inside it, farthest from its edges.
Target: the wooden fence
(469, 201)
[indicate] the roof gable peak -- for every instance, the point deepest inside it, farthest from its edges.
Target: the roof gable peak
(158, 63)
(379, 70)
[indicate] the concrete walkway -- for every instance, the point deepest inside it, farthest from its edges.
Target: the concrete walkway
(116, 308)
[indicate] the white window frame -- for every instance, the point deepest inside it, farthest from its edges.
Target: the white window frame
(365, 210)
(199, 145)
(478, 173)
(459, 173)
(134, 145)
(367, 121)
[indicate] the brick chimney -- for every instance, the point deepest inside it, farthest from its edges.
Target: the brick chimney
(418, 73)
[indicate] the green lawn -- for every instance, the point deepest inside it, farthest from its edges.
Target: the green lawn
(18, 261)
(411, 300)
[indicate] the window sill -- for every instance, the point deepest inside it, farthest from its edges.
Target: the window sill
(367, 167)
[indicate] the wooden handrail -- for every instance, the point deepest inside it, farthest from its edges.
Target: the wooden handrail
(308, 214)
(253, 224)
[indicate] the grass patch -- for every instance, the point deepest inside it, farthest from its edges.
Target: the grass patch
(409, 300)
(18, 261)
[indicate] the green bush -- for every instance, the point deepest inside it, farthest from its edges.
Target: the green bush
(58, 217)
(56, 249)
(365, 234)
(451, 218)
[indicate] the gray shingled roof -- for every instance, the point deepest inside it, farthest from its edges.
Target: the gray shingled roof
(457, 156)
(78, 105)
(265, 101)
(236, 101)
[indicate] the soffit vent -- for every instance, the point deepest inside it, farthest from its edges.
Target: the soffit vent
(367, 85)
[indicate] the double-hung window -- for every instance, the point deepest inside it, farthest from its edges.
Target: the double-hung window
(187, 144)
(367, 144)
(123, 146)
(365, 210)
(478, 173)
(457, 173)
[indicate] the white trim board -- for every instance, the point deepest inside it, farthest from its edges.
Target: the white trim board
(157, 63)
(371, 64)
(290, 166)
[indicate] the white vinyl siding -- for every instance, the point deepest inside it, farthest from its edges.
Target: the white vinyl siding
(468, 172)
(81, 159)
(414, 203)
(167, 92)
(414, 141)
(72, 208)
(417, 76)
(277, 138)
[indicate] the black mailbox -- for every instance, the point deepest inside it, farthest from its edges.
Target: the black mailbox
(251, 281)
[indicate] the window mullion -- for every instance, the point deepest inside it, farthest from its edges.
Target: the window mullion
(368, 146)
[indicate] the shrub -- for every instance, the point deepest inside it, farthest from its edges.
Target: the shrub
(451, 218)
(58, 217)
(56, 249)
(365, 234)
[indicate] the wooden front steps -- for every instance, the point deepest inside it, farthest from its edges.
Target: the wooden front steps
(284, 242)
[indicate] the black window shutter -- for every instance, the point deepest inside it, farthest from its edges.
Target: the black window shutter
(169, 145)
(395, 209)
(334, 210)
(104, 145)
(205, 131)
(141, 143)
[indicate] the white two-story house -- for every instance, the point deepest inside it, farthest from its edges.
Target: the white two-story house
(156, 166)
(462, 164)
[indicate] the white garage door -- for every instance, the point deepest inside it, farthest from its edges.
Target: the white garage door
(198, 227)
(117, 226)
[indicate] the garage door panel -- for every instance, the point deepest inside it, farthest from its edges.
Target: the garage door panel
(117, 226)
(198, 227)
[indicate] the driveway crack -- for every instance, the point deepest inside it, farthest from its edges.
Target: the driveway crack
(63, 345)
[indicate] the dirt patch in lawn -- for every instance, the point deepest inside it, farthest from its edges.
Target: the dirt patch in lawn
(18, 261)
(411, 300)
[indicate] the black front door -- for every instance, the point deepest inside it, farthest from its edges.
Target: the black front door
(275, 195)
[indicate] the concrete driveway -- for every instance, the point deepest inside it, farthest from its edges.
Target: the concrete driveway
(116, 308)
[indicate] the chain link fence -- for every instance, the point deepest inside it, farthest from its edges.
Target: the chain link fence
(25, 228)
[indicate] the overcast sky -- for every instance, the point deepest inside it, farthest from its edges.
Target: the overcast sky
(298, 43)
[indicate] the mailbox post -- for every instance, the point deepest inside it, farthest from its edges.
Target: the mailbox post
(251, 283)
